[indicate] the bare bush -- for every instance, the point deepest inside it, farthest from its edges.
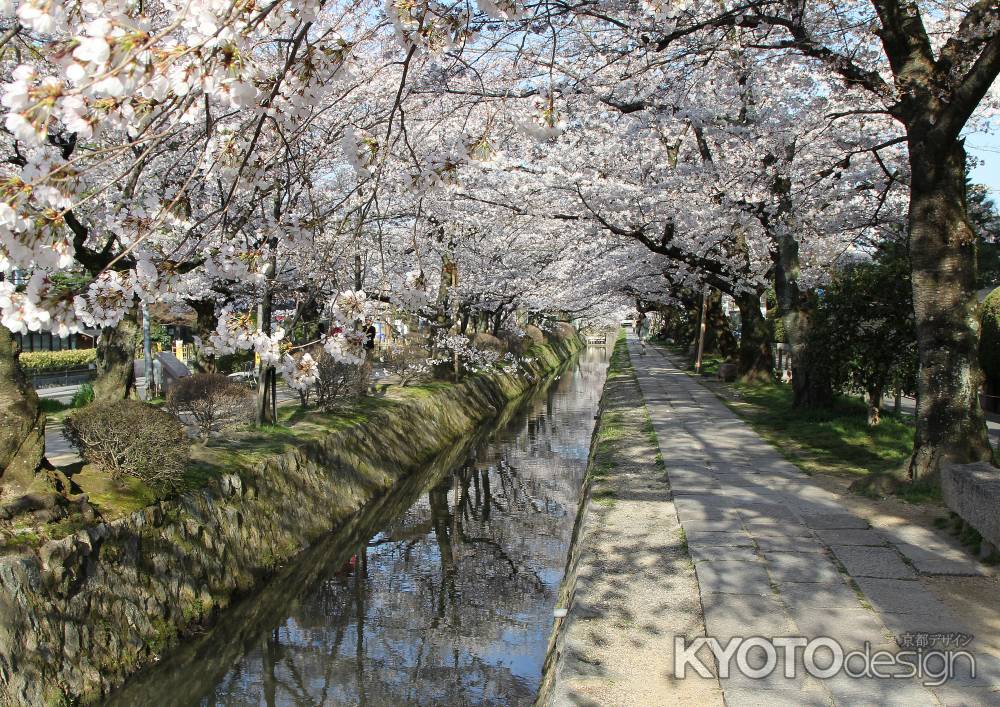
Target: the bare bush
(407, 361)
(212, 400)
(131, 438)
(337, 381)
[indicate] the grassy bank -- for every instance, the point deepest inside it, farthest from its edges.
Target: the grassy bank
(243, 450)
(837, 440)
(834, 441)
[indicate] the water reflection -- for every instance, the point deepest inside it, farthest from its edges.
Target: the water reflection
(440, 593)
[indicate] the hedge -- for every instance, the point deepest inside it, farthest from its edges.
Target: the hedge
(37, 363)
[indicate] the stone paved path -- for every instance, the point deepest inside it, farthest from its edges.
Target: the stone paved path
(777, 555)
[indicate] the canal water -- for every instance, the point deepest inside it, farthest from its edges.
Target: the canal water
(440, 593)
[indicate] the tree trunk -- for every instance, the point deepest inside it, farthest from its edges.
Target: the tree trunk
(115, 360)
(756, 360)
(810, 388)
(22, 424)
(951, 427)
(205, 325)
(875, 395)
(719, 337)
(265, 371)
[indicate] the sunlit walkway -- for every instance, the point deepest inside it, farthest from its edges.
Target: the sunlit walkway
(777, 555)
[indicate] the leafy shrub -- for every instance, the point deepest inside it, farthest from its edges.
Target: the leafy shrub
(213, 400)
(83, 396)
(131, 438)
(989, 342)
(862, 335)
(38, 362)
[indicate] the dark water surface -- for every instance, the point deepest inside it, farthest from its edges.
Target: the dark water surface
(440, 593)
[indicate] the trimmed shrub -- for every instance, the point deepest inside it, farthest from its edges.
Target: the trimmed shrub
(212, 400)
(131, 438)
(35, 363)
(485, 341)
(563, 331)
(534, 333)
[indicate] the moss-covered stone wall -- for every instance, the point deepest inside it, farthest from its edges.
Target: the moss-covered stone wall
(80, 614)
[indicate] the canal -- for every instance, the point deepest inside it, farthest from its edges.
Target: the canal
(439, 593)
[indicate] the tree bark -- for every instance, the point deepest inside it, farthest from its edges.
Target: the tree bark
(115, 360)
(719, 337)
(875, 396)
(756, 359)
(205, 325)
(22, 424)
(951, 427)
(265, 371)
(809, 387)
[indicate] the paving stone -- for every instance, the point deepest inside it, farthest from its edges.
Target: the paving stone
(872, 562)
(771, 513)
(987, 670)
(739, 539)
(733, 578)
(874, 692)
(692, 490)
(851, 536)
(800, 567)
(771, 543)
(852, 628)
(942, 560)
(900, 625)
(831, 595)
(695, 505)
(721, 553)
(966, 696)
(899, 596)
(833, 521)
(774, 682)
(788, 696)
(730, 525)
(729, 615)
(688, 513)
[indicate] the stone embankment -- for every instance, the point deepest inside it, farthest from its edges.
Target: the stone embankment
(80, 614)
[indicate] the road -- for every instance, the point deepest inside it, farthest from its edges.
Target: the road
(908, 406)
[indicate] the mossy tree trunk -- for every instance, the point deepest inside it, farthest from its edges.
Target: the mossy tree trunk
(951, 427)
(205, 324)
(719, 337)
(756, 359)
(115, 360)
(22, 424)
(874, 400)
(810, 388)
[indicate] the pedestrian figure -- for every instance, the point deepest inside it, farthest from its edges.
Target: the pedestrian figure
(642, 331)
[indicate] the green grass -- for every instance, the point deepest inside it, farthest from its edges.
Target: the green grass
(833, 441)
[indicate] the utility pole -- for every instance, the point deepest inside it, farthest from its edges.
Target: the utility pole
(147, 353)
(701, 331)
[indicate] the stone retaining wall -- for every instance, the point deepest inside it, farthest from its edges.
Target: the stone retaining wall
(79, 615)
